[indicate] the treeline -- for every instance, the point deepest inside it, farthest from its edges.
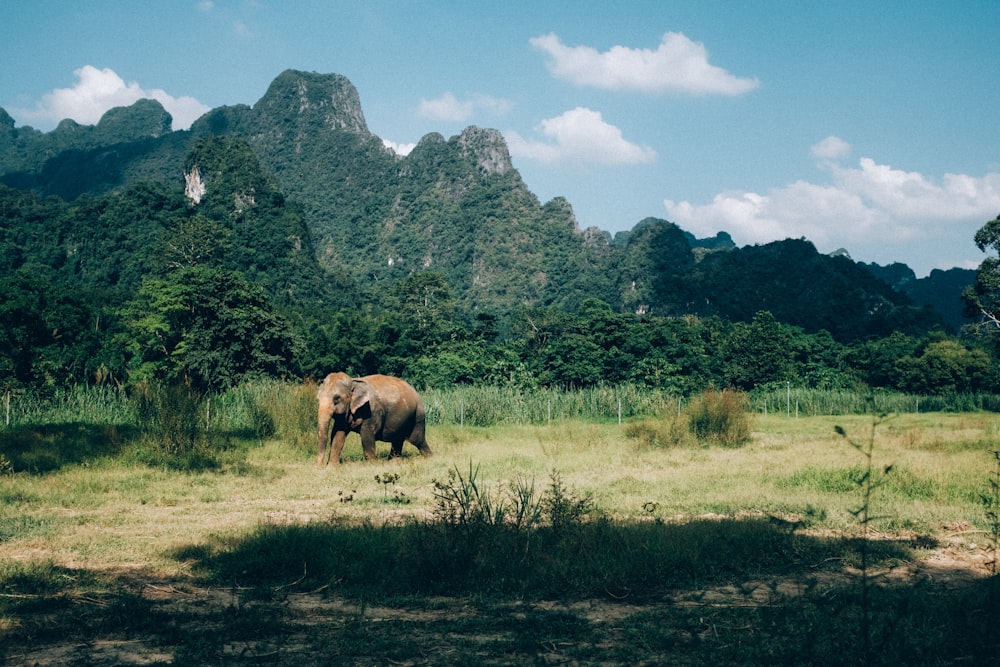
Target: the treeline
(200, 322)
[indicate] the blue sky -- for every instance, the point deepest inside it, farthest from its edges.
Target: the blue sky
(869, 126)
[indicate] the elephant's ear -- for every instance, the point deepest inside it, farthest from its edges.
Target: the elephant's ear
(361, 396)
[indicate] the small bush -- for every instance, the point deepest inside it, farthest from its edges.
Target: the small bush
(462, 501)
(668, 428)
(562, 507)
(720, 417)
(713, 417)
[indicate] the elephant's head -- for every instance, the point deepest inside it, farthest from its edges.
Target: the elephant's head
(341, 399)
(340, 395)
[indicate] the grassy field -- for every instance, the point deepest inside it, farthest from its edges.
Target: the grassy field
(561, 543)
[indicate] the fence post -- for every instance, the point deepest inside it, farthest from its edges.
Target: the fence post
(549, 422)
(461, 413)
(619, 410)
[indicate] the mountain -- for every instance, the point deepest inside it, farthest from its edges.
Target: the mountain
(454, 206)
(938, 290)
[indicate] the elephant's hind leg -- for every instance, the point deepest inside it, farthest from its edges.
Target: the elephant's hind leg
(397, 449)
(419, 441)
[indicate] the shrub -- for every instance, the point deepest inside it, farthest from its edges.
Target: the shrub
(720, 417)
(668, 428)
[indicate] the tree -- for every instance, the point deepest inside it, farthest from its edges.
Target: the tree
(757, 353)
(206, 327)
(983, 298)
(875, 360)
(195, 321)
(425, 310)
(944, 366)
(49, 334)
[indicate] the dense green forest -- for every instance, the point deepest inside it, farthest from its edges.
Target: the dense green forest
(283, 240)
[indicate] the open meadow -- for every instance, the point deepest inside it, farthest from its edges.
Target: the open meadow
(562, 542)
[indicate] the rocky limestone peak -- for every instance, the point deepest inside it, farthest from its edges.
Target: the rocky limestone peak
(300, 97)
(6, 122)
(141, 120)
(559, 208)
(487, 148)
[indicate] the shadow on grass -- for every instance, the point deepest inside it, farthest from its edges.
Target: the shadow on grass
(50, 447)
(713, 592)
(590, 559)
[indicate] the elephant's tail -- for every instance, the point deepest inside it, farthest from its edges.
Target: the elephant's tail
(419, 436)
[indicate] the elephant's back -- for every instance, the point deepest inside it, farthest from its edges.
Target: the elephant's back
(391, 388)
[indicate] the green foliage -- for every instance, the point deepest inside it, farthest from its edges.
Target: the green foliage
(757, 353)
(49, 333)
(983, 298)
(315, 248)
(943, 366)
(208, 328)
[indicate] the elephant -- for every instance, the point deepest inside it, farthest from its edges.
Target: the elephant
(378, 407)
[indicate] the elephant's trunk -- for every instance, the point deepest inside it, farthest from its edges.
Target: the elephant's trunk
(324, 417)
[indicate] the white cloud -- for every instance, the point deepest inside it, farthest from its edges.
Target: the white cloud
(450, 109)
(831, 148)
(98, 90)
(580, 135)
(398, 149)
(869, 205)
(678, 64)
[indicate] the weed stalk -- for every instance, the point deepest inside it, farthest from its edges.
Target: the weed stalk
(991, 503)
(867, 483)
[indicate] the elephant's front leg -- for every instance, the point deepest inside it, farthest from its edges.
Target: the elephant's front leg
(337, 446)
(367, 434)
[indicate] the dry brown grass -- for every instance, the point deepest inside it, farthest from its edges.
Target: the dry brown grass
(105, 563)
(116, 516)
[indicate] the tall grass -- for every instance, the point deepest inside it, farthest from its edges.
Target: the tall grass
(710, 418)
(157, 425)
(68, 405)
(486, 406)
(806, 402)
(271, 408)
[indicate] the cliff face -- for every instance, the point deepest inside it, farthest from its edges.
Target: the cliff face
(487, 149)
(298, 102)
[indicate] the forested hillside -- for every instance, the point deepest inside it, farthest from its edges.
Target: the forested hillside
(285, 239)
